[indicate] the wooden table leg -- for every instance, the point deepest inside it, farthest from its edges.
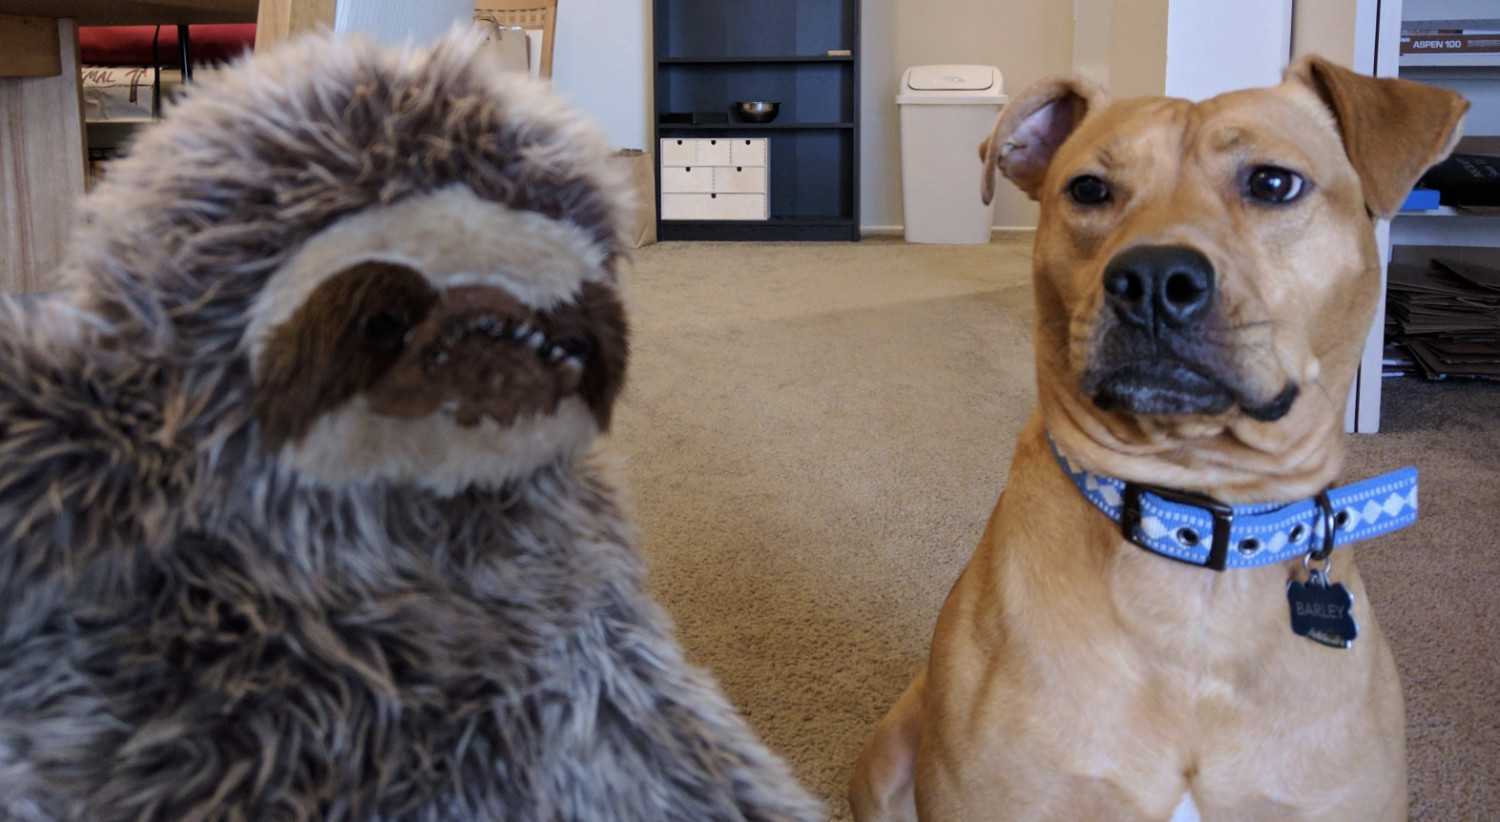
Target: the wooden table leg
(42, 158)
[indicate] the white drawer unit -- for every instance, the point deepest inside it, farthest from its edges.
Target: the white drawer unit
(682, 152)
(739, 179)
(713, 151)
(687, 179)
(713, 206)
(714, 178)
(701, 151)
(747, 151)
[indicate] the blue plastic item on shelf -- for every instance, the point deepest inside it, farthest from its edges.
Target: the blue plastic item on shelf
(1421, 199)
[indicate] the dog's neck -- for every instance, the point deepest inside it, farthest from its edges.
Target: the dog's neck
(1238, 460)
(1207, 532)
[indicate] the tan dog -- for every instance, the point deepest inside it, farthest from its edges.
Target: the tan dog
(1205, 275)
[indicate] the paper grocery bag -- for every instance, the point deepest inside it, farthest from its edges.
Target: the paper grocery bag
(511, 46)
(643, 181)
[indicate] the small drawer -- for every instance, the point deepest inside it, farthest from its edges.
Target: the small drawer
(713, 207)
(747, 151)
(685, 206)
(687, 179)
(713, 151)
(679, 152)
(740, 179)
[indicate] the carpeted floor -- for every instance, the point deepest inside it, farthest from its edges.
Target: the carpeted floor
(814, 435)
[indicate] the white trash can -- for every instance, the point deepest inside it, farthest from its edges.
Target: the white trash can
(946, 112)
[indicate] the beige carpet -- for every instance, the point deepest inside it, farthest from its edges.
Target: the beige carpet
(814, 435)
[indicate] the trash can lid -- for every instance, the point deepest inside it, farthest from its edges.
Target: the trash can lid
(952, 85)
(952, 78)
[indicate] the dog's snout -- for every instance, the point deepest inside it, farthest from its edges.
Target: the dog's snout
(1159, 287)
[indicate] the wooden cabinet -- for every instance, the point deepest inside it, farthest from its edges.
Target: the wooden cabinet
(794, 178)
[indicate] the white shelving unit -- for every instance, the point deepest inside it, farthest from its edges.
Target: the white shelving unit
(1418, 236)
(1366, 36)
(1409, 61)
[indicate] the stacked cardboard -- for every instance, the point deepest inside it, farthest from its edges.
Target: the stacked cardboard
(1443, 320)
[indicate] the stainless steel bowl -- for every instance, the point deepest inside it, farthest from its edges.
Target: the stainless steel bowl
(757, 111)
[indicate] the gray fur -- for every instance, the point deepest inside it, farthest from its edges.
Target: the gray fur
(189, 633)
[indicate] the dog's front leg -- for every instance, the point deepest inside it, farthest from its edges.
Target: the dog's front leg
(881, 790)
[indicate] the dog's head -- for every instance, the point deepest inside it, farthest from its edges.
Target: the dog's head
(1206, 273)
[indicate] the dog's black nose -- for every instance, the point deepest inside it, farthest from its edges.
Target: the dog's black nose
(1159, 287)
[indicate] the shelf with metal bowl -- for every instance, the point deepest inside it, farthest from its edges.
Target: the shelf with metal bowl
(777, 126)
(758, 111)
(806, 58)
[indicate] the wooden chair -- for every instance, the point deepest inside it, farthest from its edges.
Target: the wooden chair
(526, 14)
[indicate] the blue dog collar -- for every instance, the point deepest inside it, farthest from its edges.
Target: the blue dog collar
(1199, 530)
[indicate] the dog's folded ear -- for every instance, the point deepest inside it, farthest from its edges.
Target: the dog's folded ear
(1031, 129)
(1393, 130)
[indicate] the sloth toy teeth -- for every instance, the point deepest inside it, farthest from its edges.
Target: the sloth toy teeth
(299, 515)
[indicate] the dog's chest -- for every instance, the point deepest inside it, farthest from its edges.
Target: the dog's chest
(1186, 811)
(1184, 613)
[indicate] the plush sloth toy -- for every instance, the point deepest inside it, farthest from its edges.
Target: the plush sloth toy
(298, 519)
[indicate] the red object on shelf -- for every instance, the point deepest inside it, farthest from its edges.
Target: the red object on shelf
(131, 45)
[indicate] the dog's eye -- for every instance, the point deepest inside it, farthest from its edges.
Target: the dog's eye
(1088, 190)
(1274, 185)
(385, 332)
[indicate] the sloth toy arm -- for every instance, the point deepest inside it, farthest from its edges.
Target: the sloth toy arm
(87, 469)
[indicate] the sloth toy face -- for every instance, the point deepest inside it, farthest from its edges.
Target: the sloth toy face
(411, 255)
(444, 340)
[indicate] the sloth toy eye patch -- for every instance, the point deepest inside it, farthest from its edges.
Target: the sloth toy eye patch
(474, 351)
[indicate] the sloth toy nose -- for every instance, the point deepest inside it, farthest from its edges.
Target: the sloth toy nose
(1160, 288)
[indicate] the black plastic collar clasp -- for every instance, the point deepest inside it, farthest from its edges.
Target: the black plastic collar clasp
(1223, 515)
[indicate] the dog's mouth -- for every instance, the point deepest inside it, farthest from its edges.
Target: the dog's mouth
(1160, 387)
(1169, 387)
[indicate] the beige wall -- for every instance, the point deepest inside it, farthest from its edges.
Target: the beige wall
(1122, 43)
(1330, 27)
(1138, 48)
(1183, 48)
(1027, 39)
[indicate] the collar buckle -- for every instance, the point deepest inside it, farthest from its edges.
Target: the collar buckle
(1223, 517)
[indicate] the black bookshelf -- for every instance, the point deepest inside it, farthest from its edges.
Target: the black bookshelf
(683, 61)
(711, 53)
(748, 127)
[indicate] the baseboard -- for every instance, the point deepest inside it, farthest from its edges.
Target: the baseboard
(896, 230)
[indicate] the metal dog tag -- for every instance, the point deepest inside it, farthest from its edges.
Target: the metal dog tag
(1321, 612)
